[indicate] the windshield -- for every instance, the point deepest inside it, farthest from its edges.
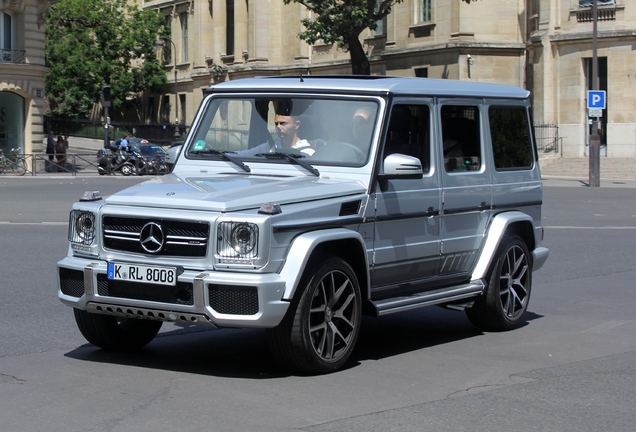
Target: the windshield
(330, 131)
(152, 150)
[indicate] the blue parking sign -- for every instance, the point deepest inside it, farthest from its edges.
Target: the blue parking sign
(596, 99)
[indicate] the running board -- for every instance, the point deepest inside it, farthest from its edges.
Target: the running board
(428, 298)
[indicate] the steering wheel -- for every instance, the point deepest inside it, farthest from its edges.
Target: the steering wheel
(359, 154)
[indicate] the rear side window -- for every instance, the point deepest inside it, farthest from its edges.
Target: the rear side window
(511, 139)
(461, 138)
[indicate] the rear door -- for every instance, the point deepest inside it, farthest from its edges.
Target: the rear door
(466, 185)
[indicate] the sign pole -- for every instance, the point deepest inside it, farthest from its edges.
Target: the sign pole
(595, 139)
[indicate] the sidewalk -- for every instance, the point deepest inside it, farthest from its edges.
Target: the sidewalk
(579, 168)
(84, 145)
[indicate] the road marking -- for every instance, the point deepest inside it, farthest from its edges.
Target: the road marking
(591, 228)
(32, 223)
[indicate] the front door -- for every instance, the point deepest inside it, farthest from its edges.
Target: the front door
(407, 220)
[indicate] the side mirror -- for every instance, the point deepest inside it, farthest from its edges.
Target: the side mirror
(399, 166)
(172, 154)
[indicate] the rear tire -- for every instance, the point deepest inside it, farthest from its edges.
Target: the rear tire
(321, 327)
(118, 334)
(504, 305)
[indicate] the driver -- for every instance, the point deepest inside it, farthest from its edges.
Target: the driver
(287, 127)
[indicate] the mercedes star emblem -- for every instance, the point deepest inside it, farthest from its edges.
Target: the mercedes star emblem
(151, 237)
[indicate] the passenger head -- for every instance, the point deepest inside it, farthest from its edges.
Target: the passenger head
(363, 125)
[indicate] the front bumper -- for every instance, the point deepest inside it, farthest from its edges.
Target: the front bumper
(207, 298)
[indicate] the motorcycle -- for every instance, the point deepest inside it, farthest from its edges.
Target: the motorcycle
(123, 160)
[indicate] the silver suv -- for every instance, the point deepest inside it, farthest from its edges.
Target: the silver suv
(299, 204)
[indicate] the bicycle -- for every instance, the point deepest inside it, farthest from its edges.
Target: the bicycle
(16, 163)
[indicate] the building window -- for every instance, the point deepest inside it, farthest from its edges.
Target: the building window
(165, 109)
(421, 72)
(380, 25)
(424, 11)
(183, 17)
(6, 31)
(182, 108)
(167, 48)
(150, 112)
(533, 16)
(230, 27)
(590, 3)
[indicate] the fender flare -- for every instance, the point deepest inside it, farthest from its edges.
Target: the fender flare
(496, 231)
(301, 250)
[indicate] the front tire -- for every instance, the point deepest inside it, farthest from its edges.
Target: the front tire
(321, 327)
(504, 305)
(117, 334)
(128, 169)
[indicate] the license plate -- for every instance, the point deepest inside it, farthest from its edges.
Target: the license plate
(143, 274)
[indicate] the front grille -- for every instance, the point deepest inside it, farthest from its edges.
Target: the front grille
(71, 282)
(180, 294)
(178, 238)
(234, 300)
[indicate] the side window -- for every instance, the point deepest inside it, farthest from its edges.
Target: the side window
(511, 139)
(408, 133)
(461, 138)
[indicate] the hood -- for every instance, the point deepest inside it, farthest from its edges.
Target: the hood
(231, 192)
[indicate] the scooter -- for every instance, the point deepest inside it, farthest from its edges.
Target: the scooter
(123, 160)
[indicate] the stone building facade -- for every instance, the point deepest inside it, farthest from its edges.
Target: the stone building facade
(542, 45)
(22, 72)
(560, 71)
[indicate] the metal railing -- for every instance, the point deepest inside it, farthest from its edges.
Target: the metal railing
(547, 137)
(74, 164)
(12, 56)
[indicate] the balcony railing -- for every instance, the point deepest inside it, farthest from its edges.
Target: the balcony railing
(12, 56)
(606, 10)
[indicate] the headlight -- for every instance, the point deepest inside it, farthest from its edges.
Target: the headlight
(82, 227)
(237, 242)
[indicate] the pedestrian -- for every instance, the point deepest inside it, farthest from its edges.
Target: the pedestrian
(50, 150)
(60, 153)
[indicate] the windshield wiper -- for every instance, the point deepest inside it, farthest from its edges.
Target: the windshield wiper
(225, 157)
(292, 158)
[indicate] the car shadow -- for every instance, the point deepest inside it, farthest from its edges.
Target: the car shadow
(243, 353)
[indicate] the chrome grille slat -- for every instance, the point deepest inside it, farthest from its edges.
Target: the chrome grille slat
(183, 238)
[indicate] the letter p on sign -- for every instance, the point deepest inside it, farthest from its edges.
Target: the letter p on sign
(596, 99)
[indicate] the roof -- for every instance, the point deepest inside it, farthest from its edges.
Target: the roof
(371, 84)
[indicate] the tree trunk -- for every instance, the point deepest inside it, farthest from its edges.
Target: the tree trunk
(359, 61)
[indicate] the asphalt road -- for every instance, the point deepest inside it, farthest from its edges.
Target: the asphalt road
(571, 368)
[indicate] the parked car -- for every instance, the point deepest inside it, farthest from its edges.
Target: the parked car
(154, 155)
(297, 205)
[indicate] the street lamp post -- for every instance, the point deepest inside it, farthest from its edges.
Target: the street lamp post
(159, 45)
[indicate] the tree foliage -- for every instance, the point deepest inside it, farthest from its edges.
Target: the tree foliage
(91, 43)
(342, 22)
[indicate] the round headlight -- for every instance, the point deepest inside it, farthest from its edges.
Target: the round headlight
(243, 238)
(85, 227)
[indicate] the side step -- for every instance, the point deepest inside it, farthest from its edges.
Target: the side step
(428, 298)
